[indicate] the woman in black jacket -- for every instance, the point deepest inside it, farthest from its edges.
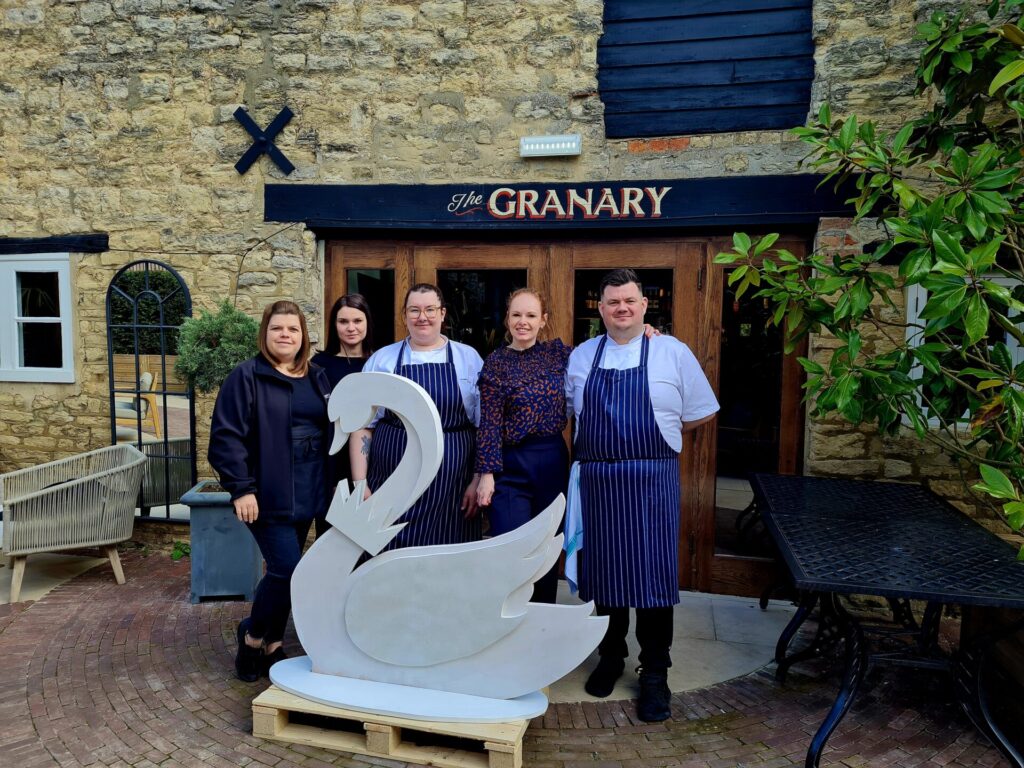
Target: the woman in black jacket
(268, 444)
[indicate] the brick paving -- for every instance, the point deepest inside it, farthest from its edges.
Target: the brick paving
(96, 674)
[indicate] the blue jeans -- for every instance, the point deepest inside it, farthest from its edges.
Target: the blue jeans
(280, 543)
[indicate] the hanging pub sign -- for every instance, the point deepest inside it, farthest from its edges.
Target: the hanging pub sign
(557, 205)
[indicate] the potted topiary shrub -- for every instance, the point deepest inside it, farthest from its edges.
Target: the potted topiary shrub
(211, 345)
(225, 560)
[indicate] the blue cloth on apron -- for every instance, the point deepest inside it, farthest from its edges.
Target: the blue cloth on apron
(629, 492)
(309, 451)
(435, 518)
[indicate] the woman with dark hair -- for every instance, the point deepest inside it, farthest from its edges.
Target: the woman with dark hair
(268, 445)
(448, 371)
(349, 339)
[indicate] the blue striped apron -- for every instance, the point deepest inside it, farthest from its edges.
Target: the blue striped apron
(435, 518)
(629, 492)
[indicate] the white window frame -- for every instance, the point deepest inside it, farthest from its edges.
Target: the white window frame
(10, 266)
(917, 297)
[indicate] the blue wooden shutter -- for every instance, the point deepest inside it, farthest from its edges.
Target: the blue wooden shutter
(669, 67)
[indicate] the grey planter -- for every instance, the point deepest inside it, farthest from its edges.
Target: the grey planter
(225, 559)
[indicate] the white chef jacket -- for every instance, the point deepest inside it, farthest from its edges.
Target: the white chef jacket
(466, 360)
(679, 389)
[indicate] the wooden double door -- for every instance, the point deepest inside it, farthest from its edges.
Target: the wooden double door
(685, 298)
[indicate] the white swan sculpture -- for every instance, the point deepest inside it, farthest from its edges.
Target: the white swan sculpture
(439, 632)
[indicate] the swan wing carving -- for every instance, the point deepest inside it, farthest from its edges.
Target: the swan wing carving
(353, 404)
(468, 597)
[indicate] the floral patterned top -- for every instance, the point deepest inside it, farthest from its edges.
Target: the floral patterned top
(522, 393)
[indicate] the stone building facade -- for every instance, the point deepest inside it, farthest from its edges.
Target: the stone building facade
(117, 117)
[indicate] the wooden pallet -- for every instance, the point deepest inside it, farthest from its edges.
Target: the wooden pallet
(282, 716)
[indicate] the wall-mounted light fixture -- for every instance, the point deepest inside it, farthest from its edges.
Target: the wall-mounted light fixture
(550, 146)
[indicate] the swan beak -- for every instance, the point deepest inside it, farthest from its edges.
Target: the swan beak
(340, 438)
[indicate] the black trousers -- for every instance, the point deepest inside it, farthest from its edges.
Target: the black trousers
(280, 543)
(653, 634)
(534, 472)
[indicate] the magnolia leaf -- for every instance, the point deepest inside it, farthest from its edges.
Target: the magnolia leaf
(963, 61)
(849, 132)
(741, 242)
(996, 179)
(1012, 33)
(765, 243)
(810, 366)
(982, 386)
(949, 248)
(1007, 74)
(1001, 356)
(902, 137)
(996, 483)
(983, 256)
(844, 388)
(987, 412)
(737, 274)
(981, 373)
(1014, 512)
(976, 323)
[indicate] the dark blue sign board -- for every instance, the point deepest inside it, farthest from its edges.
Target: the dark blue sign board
(578, 205)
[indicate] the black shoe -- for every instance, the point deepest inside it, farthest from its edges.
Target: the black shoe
(654, 704)
(248, 659)
(602, 680)
(270, 659)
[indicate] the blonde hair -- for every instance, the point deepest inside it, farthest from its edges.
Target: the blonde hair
(544, 333)
(300, 366)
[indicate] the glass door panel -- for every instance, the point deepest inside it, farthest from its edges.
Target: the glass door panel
(378, 288)
(657, 287)
(750, 395)
(476, 304)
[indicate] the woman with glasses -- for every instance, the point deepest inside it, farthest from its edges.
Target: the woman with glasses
(446, 513)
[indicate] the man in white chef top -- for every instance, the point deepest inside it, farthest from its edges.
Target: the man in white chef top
(633, 399)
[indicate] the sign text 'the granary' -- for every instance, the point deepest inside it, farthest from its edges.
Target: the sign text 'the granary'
(568, 203)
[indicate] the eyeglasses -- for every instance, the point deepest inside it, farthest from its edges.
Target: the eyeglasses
(428, 312)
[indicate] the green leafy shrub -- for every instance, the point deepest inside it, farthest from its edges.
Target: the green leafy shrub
(211, 345)
(946, 188)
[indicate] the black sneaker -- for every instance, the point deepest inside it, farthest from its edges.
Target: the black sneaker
(602, 680)
(654, 704)
(248, 659)
(270, 659)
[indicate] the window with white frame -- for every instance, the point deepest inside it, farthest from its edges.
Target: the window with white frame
(917, 297)
(35, 318)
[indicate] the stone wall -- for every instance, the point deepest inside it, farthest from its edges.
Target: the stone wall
(116, 116)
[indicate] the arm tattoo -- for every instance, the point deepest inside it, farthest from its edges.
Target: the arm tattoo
(365, 450)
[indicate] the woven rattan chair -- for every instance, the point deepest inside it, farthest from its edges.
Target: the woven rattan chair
(86, 500)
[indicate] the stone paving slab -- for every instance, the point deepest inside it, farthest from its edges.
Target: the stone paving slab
(96, 674)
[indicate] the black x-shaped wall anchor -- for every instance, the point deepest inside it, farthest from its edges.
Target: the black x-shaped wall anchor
(263, 141)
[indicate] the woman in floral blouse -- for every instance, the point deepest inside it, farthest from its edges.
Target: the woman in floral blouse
(521, 455)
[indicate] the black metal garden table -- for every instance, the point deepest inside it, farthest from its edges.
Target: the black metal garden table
(902, 543)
